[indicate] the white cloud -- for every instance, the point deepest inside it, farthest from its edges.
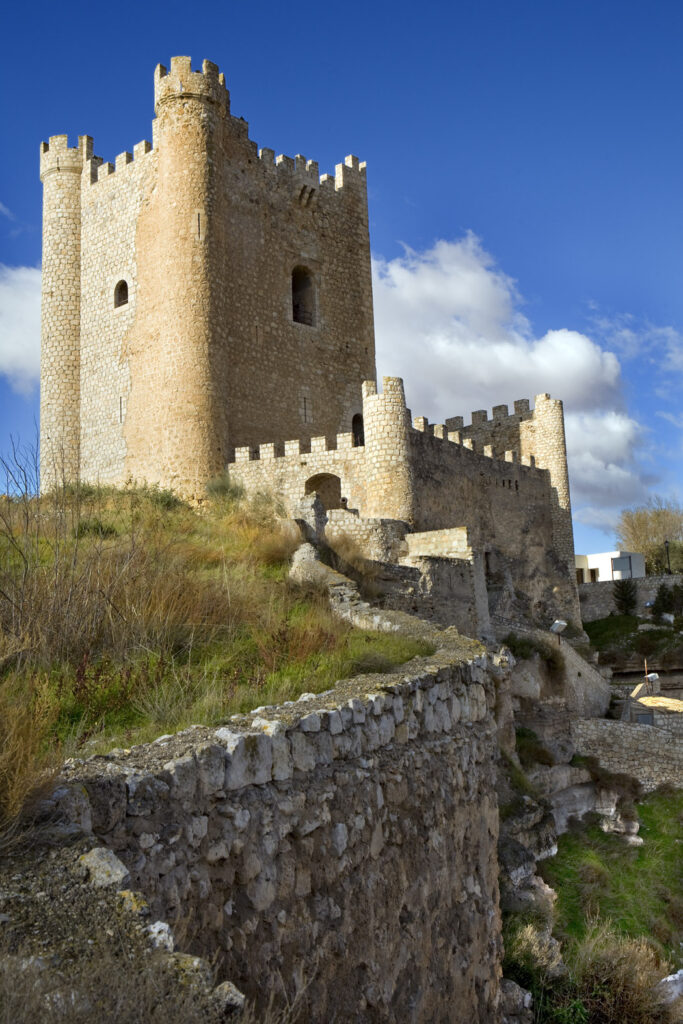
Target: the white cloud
(449, 322)
(20, 327)
(5, 212)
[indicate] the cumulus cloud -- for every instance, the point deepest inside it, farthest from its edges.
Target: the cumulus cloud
(450, 322)
(602, 449)
(20, 327)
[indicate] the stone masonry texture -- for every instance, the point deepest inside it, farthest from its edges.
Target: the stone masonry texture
(346, 842)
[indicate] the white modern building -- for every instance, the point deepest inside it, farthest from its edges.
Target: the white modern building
(609, 565)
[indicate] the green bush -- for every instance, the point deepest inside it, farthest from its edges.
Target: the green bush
(96, 528)
(668, 599)
(625, 596)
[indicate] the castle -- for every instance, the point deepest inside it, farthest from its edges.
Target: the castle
(209, 305)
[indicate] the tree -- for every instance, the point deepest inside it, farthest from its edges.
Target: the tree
(625, 596)
(645, 528)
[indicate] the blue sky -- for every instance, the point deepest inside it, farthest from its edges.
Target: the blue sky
(525, 170)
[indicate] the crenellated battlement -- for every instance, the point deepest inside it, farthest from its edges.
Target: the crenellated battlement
(100, 170)
(181, 82)
(391, 398)
(350, 173)
(440, 433)
(57, 155)
(314, 446)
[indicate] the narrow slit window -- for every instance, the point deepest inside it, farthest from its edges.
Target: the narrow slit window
(358, 431)
(121, 294)
(303, 297)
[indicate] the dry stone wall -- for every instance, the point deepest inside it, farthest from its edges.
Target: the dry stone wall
(653, 756)
(347, 841)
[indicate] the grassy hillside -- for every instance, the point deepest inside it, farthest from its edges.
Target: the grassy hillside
(639, 889)
(125, 614)
(619, 916)
(618, 639)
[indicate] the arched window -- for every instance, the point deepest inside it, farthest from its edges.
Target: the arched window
(121, 294)
(358, 431)
(303, 297)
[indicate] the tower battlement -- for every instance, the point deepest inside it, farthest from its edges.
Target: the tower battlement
(57, 155)
(181, 82)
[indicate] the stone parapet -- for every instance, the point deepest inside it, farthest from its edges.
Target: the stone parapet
(300, 839)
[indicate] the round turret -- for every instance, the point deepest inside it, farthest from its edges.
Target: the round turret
(61, 169)
(386, 420)
(175, 420)
(181, 82)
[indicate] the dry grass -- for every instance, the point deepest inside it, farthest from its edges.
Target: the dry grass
(118, 984)
(615, 976)
(27, 761)
(125, 614)
(608, 978)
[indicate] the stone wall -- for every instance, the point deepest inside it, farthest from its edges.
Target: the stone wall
(347, 841)
(597, 599)
(111, 200)
(441, 489)
(535, 435)
(379, 539)
(451, 543)
(653, 756)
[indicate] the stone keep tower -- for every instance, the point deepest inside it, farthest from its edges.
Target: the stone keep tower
(198, 296)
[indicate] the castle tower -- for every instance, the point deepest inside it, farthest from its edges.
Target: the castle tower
(550, 450)
(61, 168)
(175, 420)
(389, 485)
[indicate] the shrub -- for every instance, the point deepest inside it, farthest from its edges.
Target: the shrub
(95, 527)
(522, 647)
(625, 596)
(519, 783)
(663, 602)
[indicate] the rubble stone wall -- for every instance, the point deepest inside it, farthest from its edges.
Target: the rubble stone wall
(653, 756)
(347, 841)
